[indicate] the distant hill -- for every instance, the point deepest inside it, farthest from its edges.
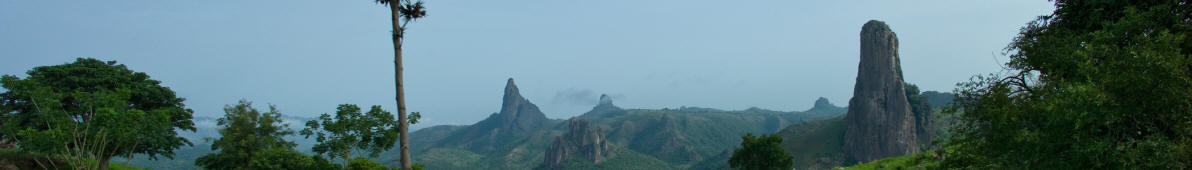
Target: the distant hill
(684, 138)
(519, 136)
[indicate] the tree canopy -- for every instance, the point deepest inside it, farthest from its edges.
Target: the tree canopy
(763, 152)
(245, 134)
(93, 110)
(1096, 84)
(350, 132)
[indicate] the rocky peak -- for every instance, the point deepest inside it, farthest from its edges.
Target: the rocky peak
(823, 103)
(512, 95)
(517, 118)
(581, 139)
(603, 108)
(605, 100)
(517, 113)
(879, 122)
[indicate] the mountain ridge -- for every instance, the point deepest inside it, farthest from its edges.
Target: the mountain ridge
(684, 138)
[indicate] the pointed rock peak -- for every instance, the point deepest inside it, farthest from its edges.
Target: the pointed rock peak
(511, 90)
(517, 112)
(605, 100)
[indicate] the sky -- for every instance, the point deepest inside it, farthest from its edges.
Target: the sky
(308, 56)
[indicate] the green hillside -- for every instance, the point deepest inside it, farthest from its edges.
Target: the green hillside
(816, 144)
(925, 160)
(684, 138)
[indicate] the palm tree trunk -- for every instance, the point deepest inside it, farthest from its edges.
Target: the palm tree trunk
(403, 126)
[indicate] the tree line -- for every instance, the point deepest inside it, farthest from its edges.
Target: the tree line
(80, 115)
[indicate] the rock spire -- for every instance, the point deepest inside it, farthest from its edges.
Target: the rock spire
(879, 122)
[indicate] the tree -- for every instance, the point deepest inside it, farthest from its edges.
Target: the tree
(761, 153)
(925, 128)
(91, 111)
(279, 158)
(365, 164)
(245, 132)
(351, 133)
(1094, 85)
(403, 12)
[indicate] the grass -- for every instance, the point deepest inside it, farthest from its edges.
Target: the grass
(26, 160)
(925, 160)
(118, 166)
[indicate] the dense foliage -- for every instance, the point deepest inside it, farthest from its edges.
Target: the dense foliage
(89, 111)
(280, 158)
(251, 139)
(351, 133)
(925, 129)
(763, 152)
(1094, 85)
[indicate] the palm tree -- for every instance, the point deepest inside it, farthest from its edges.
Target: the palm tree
(403, 11)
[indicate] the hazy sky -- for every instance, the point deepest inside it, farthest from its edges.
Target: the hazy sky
(307, 56)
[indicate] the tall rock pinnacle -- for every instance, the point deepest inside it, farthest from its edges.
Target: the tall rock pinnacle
(879, 123)
(517, 118)
(517, 113)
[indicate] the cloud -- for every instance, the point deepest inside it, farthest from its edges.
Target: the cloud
(574, 96)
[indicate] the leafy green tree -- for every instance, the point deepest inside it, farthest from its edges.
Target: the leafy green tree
(289, 159)
(403, 12)
(365, 164)
(761, 153)
(351, 133)
(91, 111)
(251, 139)
(1094, 85)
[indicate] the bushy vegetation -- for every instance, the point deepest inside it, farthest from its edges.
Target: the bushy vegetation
(251, 139)
(86, 112)
(925, 160)
(763, 152)
(79, 115)
(1094, 85)
(623, 159)
(815, 144)
(350, 133)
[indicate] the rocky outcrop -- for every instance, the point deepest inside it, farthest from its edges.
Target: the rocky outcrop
(518, 118)
(605, 100)
(581, 140)
(517, 113)
(602, 109)
(823, 103)
(879, 122)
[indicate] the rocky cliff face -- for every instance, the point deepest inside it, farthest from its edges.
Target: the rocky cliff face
(581, 140)
(879, 122)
